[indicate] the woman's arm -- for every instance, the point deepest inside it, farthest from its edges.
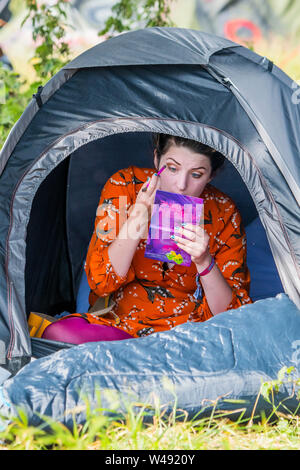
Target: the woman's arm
(218, 292)
(114, 241)
(226, 285)
(123, 248)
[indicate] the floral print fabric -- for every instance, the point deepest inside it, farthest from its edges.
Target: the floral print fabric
(151, 298)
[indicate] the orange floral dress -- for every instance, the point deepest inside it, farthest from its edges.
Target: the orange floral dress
(150, 298)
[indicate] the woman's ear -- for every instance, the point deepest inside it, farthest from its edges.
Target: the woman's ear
(213, 175)
(155, 159)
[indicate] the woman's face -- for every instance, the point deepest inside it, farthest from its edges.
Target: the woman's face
(186, 172)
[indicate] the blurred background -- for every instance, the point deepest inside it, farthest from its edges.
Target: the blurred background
(270, 27)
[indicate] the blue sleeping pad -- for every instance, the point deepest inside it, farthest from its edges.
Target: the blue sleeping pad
(82, 301)
(223, 359)
(265, 281)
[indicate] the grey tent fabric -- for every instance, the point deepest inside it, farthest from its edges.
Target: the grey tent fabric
(173, 80)
(153, 46)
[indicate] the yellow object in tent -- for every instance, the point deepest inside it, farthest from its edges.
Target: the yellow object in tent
(37, 323)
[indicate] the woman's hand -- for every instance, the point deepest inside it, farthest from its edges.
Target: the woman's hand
(141, 211)
(195, 243)
(146, 194)
(217, 291)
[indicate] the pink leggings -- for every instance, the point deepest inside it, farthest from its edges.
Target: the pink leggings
(77, 330)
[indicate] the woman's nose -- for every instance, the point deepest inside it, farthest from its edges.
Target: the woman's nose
(182, 182)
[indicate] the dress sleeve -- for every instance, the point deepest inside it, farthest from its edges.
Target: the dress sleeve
(231, 259)
(115, 200)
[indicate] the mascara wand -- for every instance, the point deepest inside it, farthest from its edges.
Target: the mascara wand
(158, 173)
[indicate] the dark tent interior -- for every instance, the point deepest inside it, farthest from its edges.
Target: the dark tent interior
(64, 208)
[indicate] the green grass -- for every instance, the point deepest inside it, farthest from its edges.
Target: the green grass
(278, 431)
(99, 433)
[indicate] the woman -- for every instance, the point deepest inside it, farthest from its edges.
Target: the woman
(149, 295)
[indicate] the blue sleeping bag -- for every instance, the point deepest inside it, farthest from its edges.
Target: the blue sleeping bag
(225, 359)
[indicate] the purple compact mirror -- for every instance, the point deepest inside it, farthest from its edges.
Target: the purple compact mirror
(171, 210)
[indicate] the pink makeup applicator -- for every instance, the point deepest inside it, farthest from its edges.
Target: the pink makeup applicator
(158, 173)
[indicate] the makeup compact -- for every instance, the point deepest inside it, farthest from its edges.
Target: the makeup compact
(169, 211)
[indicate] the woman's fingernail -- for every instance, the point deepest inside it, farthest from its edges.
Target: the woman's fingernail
(172, 237)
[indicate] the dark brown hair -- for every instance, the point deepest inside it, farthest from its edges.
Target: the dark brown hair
(162, 143)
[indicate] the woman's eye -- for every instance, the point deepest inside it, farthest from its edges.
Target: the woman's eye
(171, 168)
(196, 175)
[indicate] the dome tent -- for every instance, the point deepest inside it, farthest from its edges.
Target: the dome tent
(96, 116)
